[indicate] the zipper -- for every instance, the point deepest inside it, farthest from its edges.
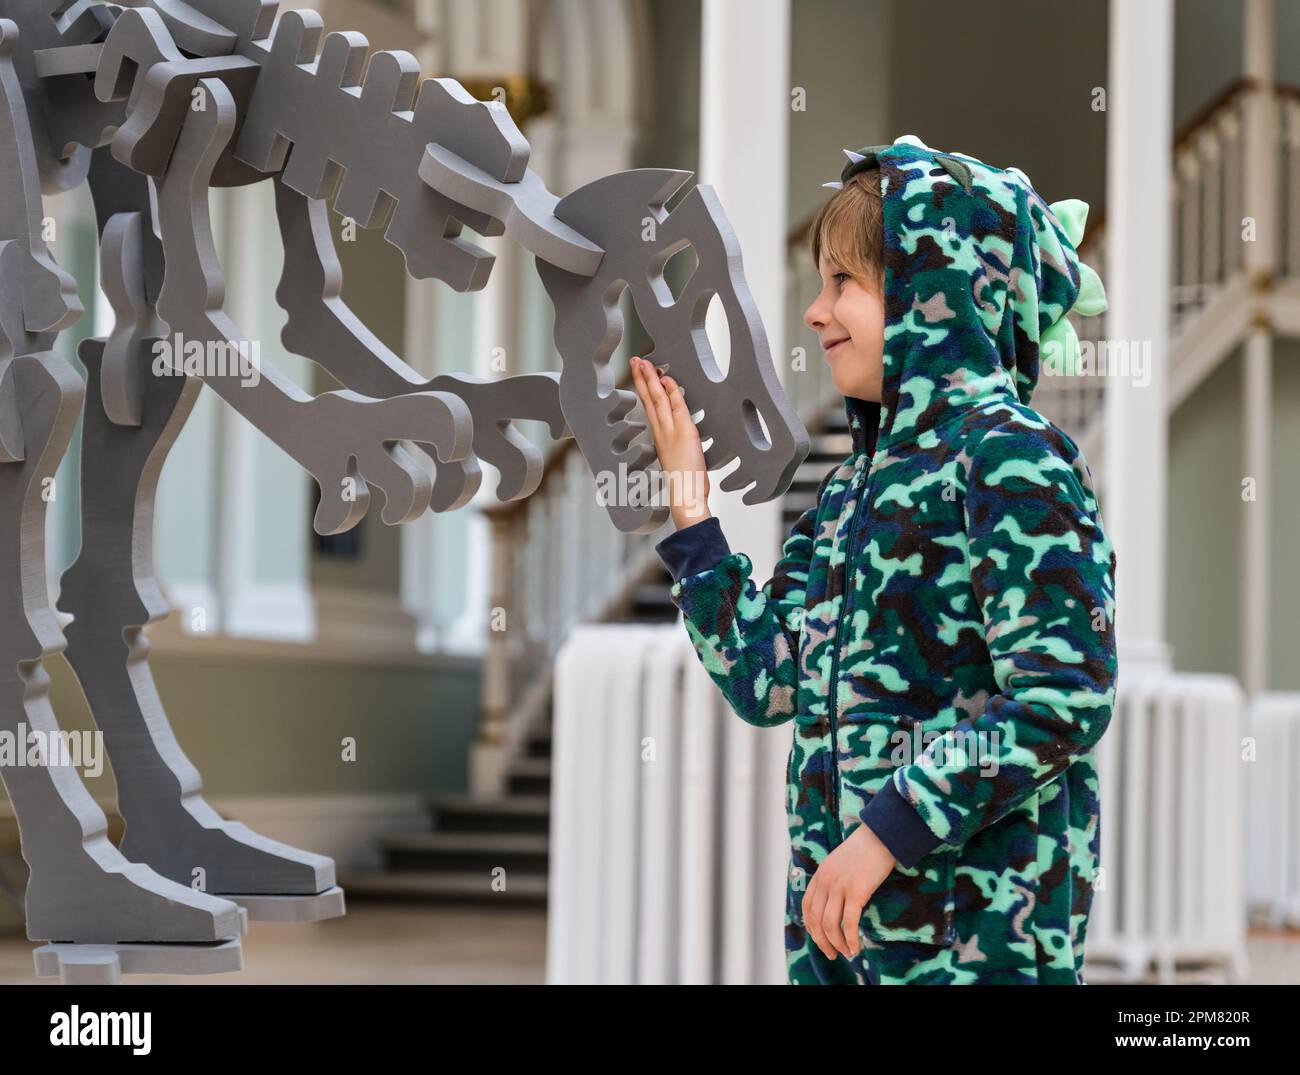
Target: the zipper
(835, 655)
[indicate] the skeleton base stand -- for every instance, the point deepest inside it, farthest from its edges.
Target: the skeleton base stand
(152, 103)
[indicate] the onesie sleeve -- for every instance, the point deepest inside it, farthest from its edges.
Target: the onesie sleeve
(694, 548)
(746, 637)
(1043, 572)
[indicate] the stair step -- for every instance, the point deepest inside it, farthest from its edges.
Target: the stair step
(529, 776)
(500, 814)
(444, 886)
(539, 743)
(497, 804)
(522, 852)
(487, 842)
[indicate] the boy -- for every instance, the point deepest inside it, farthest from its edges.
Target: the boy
(940, 626)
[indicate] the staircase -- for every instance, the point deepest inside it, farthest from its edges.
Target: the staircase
(481, 848)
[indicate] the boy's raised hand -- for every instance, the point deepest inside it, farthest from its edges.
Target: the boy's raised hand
(676, 440)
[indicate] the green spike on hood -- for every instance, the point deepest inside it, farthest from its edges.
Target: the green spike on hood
(979, 274)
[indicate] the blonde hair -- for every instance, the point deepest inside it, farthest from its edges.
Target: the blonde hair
(849, 227)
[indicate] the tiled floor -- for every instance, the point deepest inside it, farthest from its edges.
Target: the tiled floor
(382, 943)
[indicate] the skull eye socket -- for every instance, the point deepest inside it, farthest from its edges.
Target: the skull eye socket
(671, 278)
(754, 424)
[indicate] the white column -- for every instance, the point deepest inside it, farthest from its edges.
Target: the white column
(744, 156)
(1262, 147)
(1257, 398)
(744, 134)
(1139, 148)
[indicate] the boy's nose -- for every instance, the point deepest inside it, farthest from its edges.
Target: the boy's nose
(812, 317)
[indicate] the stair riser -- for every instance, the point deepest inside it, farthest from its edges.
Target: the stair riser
(467, 861)
(491, 822)
(528, 785)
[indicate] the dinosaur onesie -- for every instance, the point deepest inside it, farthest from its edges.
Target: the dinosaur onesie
(940, 624)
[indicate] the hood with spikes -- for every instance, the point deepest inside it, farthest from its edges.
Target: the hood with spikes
(979, 274)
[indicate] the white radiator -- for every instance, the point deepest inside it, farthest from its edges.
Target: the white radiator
(1273, 812)
(1171, 897)
(668, 849)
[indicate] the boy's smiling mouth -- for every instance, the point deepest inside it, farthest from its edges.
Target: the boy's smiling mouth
(827, 348)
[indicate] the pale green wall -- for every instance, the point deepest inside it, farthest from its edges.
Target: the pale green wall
(1206, 514)
(1205, 506)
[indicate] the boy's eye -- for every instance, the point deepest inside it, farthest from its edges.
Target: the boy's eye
(837, 275)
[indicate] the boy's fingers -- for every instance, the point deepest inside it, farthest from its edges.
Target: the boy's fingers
(642, 379)
(832, 925)
(850, 917)
(660, 399)
(643, 394)
(677, 400)
(851, 920)
(814, 902)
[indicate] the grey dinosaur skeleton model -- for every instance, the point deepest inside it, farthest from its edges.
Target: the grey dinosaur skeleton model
(151, 103)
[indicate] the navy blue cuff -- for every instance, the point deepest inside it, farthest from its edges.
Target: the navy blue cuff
(694, 548)
(900, 828)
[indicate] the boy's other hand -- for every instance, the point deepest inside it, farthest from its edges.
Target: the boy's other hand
(840, 888)
(676, 441)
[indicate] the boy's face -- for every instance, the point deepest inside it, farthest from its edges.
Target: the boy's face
(851, 316)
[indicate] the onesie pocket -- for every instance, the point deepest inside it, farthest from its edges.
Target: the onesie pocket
(916, 903)
(913, 903)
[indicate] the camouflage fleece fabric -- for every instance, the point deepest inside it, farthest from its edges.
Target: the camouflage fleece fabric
(940, 626)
